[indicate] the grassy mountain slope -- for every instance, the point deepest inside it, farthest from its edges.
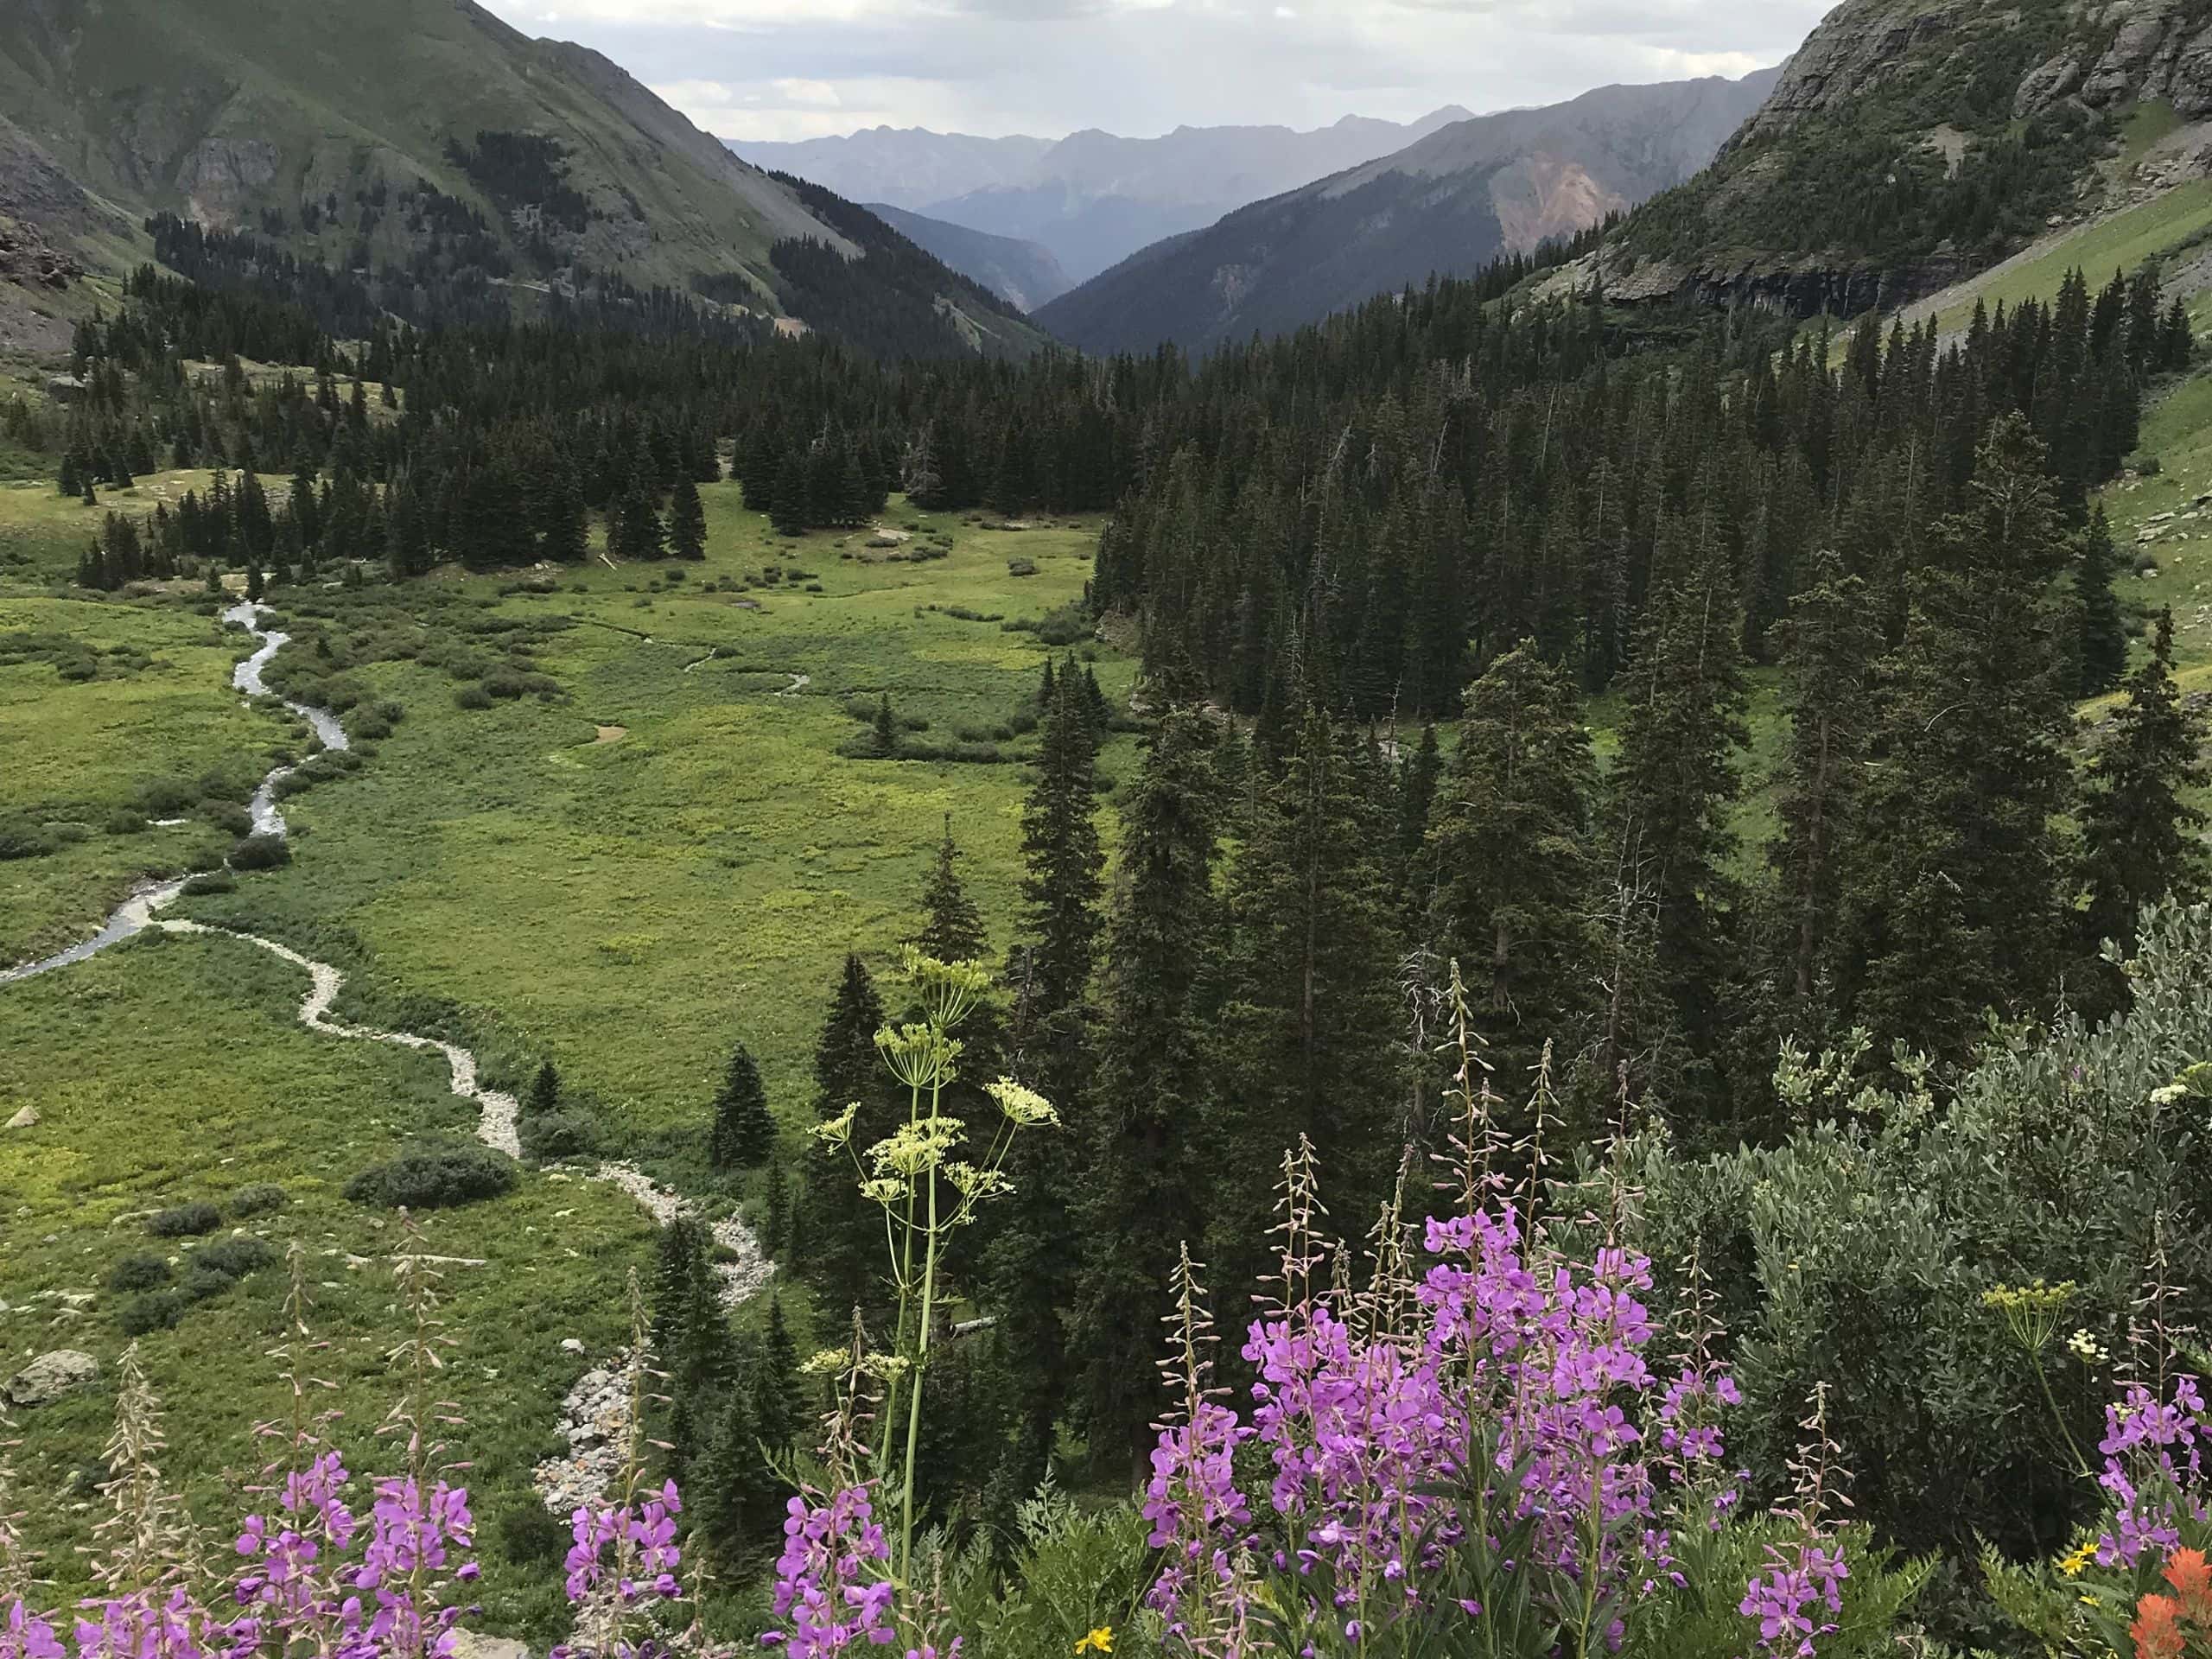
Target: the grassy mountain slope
(424, 138)
(1452, 202)
(1024, 274)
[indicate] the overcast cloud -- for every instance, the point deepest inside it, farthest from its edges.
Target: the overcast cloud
(803, 69)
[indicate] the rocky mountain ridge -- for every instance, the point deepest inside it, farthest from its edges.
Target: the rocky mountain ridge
(1908, 145)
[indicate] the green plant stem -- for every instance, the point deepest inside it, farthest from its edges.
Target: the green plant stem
(921, 1363)
(906, 1289)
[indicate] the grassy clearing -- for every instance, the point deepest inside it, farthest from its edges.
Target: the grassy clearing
(2177, 430)
(110, 714)
(631, 908)
(172, 1070)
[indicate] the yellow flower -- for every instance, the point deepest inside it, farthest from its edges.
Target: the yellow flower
(1099, 1640)
(2074, 1560)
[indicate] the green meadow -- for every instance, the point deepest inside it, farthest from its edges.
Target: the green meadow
(616, 818)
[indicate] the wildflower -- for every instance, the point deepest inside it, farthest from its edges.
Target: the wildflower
(1101, 1640)
(1024, 1107)
(2156, 1629)
(836, 1131)
(919, 1056)
(2072, 1563)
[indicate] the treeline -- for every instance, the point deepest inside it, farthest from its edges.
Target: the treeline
(1496, 481)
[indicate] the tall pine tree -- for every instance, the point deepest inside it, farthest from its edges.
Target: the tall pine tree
(743, 1133)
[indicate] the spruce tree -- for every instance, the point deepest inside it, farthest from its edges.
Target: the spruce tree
(952, 928)
(744, 1133)
(884, 736)
(2103, 640)
(1514, 867)
(1953, 902)
(1026, 1262)
(1310, 1028)
(1829, 645)
(1672, 791)
(2142, 838)
(687, 522)
(544, 1091)
(690, 1335)
(844, 1260)
(1142, 1195)
(1416, 806)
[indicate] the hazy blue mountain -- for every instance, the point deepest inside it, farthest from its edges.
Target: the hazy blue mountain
(1092, 198)
(1023, 273)
(1451, 201)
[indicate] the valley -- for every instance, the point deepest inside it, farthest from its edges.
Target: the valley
(1467, 913)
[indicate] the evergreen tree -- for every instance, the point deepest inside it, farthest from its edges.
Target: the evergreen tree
(1672, 790)
(1417, 786)
(1308, 1041)
(884, 736)
(1515, 866)
(544, 1091)
(744, 1133)
(1952, 901)
(687, 522)
(1143, 1191)
(843, 1259)
(1828, 645)
(2103, 647)
(566, 523)
(952, 929)
(691, 1339)
(1027, 1262)
(2142, 838)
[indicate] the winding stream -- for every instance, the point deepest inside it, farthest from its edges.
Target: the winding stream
(595, 1423)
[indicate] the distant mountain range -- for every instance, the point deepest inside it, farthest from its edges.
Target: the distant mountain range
(1091, 199)
(1452, 201)
(432, 161)
(1024, 274)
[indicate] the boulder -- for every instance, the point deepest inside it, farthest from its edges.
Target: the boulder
(26, 1119)
(51, 1376)
(473, 1644)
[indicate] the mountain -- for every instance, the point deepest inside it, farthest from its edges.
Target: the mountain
(907, 167)
(1092, 198)
(1452, 202)
(448, 161)
(1024, 274)
(1910, 142)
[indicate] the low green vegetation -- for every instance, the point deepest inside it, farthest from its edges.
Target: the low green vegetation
(190, 1131)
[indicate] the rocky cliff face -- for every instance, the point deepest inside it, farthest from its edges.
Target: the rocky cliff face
(1868, 176)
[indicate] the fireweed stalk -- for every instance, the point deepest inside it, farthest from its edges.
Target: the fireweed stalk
(1459, 1461)
(908, 1174)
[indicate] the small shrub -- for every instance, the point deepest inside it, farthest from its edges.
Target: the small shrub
(231, 819)
(434, 1175)
(165, 797)
(20, 838)
(258, 1200)
(551, 1137)
(234, 1257)
(202, 1283)
(140, 1271)
(1021, 566)
(211, 881)
(185, 1220)
(261, 852)
(157, 1310)
(529, 1533)
(124, 821)
(366, 725)
(472, 697)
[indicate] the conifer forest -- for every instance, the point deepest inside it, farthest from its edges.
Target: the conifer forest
(704, 947)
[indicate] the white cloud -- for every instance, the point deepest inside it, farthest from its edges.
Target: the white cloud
(768, 69)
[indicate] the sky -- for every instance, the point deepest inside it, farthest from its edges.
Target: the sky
(784, 69)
